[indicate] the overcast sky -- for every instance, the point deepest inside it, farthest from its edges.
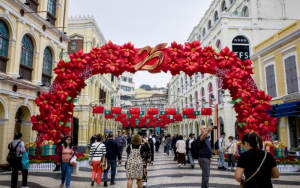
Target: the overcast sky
(144, 22)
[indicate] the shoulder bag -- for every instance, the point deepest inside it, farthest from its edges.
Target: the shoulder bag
(73, 160)
(257, 170)
(25, 161)
(90, 162)
(12, 154)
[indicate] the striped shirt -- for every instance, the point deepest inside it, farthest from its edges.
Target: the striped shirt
(101, 150)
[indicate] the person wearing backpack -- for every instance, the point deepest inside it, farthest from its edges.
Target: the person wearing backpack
(205, 154)
(121, 143)
(14, 158)
(157, 142)
(221, 151)
(151, 141)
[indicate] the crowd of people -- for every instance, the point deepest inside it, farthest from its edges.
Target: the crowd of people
(255, 167)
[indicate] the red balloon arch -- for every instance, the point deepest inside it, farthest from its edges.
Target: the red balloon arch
(56, 106)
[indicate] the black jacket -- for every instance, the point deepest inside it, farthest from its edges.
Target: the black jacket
(112, 150)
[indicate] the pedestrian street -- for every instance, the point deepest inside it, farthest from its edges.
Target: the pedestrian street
(164, 173)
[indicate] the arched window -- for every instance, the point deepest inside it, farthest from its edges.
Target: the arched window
(191, 81)
(191, 101)
(203, 97)
(202, 76)
(216, 17)
(26, 58)
(210, 93)
(203, 32)
(245, 12)
(185, 81)
(219, 91)
(218, 44)
(199, 36)
(232, 1)
(209, 24)
(4, 41)
(186, 102)
(196, 77)
(223, 6)
(47, 66)
(196, 100)
(181, 82)
(52, 7)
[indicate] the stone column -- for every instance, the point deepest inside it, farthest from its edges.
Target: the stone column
(26, 130)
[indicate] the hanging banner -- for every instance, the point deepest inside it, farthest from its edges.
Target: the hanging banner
(170, 111)
(152, 111)
(188, 111)
(98, 109)
(206, 111)
(134, 110)
(116, 110)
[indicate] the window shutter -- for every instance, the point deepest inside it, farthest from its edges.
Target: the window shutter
(291, 75)
(271, 83)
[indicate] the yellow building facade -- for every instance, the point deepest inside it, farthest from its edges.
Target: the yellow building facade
(276, 69)
(100, 89)
(32, 35)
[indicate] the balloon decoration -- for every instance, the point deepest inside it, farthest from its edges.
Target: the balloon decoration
(56, 107)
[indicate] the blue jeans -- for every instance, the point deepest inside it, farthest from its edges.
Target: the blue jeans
(221, 159)
(66, 171)
(168, 148)
(113, 164)
(191, 158)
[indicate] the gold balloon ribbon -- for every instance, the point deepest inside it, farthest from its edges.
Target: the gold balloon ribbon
(155, 53)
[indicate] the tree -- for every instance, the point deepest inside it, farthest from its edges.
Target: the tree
(145, 86)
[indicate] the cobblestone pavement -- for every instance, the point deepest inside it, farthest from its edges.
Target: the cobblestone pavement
(164, 173)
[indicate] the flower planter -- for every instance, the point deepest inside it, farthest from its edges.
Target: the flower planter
(83, 163)
(288, 168)
(42, 166)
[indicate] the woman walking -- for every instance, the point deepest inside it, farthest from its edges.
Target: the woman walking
(97, 158)
(231, 151)
(257, 165)
(18, 147)
(66, 151)
(181, 150)
(134, 166)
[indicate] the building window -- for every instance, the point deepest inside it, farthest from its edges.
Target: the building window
(202, 76)
(199, 36)
(245, 12)
(223, 6)
(125, 88)
(191, 81)
(191, 101)
(210, 93)
(186, 102)
(196, 77)
(209, 24)
(47, 66)
(203, 97)
(181, 80)
(33, 4)
(124, 79)
(130, 80)
(203, 32)
(112, 79)
(218, 44)
(219, 91)
(291, 74)
(270, 78)
(196, 100)
(52, 7)
(26, 58)
(186, 82)
(232, 1)
(216, 16)
(4, 41)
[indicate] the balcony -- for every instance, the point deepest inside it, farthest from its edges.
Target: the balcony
(235, 14)
(33, 4)
(25, 72)
(51, 18)
(46, 79)
(3, 63)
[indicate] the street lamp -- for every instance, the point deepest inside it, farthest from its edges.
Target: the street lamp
(73, 46)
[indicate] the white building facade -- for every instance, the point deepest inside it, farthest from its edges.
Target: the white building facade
(126, 90)
(239, 25)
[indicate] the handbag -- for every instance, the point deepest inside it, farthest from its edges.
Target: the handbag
(73, 160)
(25, 161)
(104, 164)
(91, 161)
(257, 170)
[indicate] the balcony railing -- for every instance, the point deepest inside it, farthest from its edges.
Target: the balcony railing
(46, 79)
(25, 72)
(3, 63)
(235, 14)
(51, 18)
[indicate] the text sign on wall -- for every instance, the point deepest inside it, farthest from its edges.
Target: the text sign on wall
(240, 45)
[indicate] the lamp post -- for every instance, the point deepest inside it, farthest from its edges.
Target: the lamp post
(73, 48)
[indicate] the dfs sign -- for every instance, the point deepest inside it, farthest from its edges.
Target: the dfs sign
(240, 46)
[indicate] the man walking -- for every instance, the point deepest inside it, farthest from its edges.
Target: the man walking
(151, 141)
(221, 151)
(112, 151)
(205, 154)
(146, 156)
(120, 139)
(188, 148)
(174, 146)
(169, 143)
(157, 142)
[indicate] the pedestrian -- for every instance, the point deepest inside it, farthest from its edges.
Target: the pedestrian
(151, 141)
(57, 158)
(221, 151)
(146, 157)
(231, 150)
(205, 154)
(97, 158)
(257, 165)
(184, 137)
(165, 143)
(169, 143)
(17, 146)
(92, 140)
(181, 150)
(134, 166)
(174, 140)
(188, 146)
(121, 143)
(128, 139)
(66, 151)
(112, 152)
(157, 142)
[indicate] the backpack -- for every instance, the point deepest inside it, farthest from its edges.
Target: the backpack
(12, 154)
(217, 145)
(195, 148)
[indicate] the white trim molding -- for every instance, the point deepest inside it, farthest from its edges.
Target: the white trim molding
(270, 59)
(290, 49)
(3, 121)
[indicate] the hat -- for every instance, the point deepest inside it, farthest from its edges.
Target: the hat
(136, 140)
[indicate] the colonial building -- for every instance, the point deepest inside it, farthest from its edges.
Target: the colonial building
(100, 90)
(240, 25)
(126, 90)
(32, 35)
(276, 64)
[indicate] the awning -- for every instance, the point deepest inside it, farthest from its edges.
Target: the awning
(285, 109)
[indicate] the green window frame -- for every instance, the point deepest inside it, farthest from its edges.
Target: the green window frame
(47, 62)
(27, 51)
(4, 38)
(52, 7)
